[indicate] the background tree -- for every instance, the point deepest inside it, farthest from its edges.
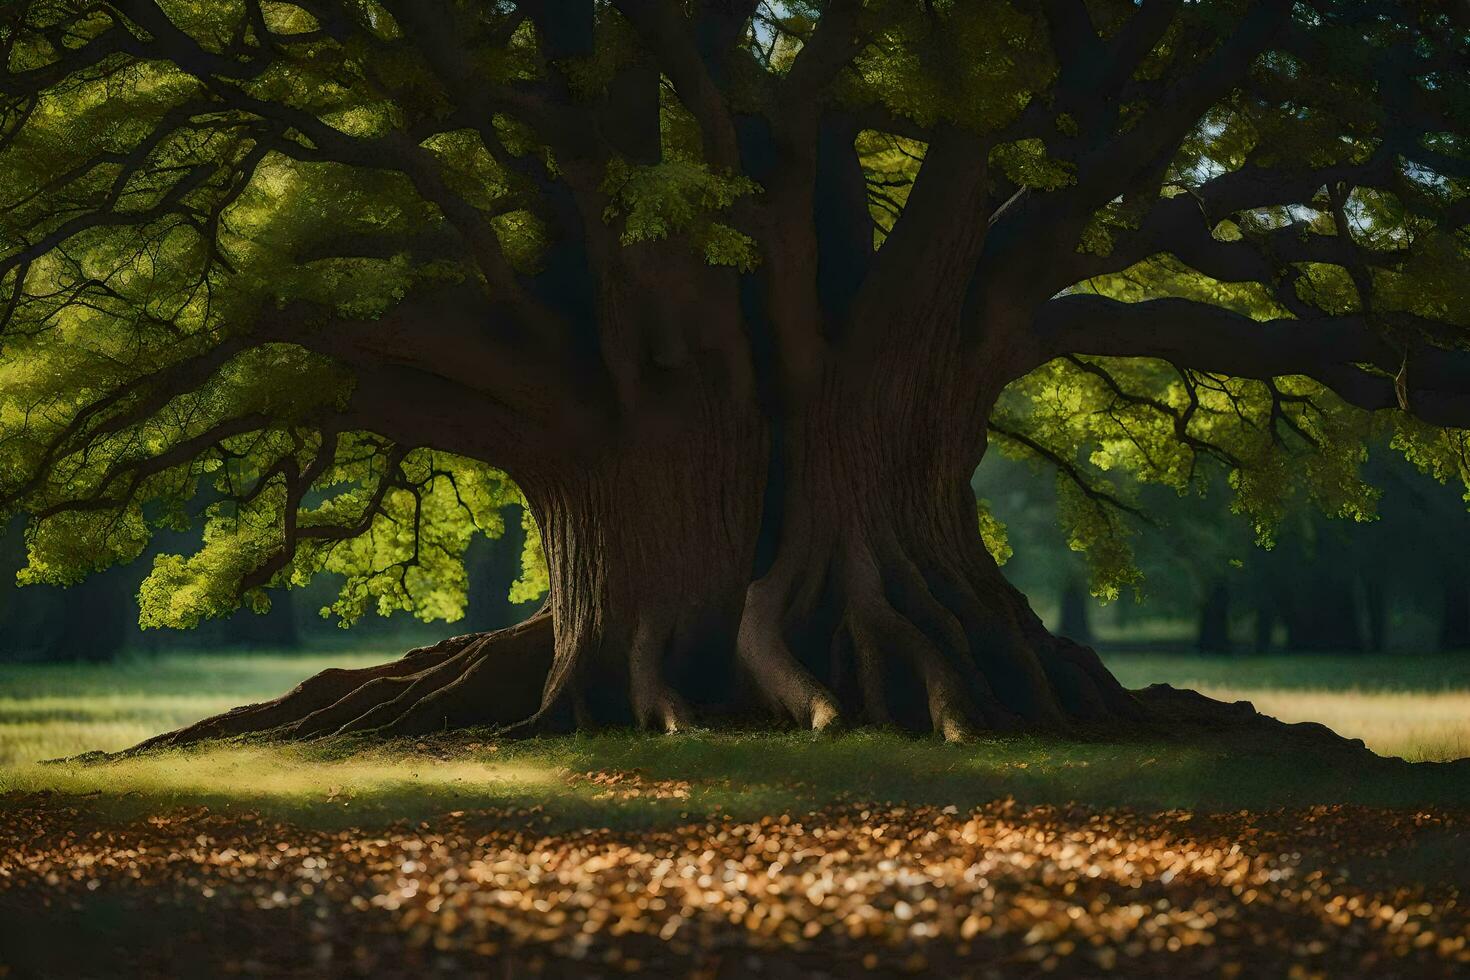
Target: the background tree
(733, 295)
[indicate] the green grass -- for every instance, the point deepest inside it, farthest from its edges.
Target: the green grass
(51, 711)
(742, 776)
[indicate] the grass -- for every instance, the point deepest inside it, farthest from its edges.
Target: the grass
(663, 780)
(1414, 707)
(51, 711)
(1358, 673)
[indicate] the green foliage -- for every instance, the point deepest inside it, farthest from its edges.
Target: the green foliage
(980, 70)
(172, 229)
(1026, 163)
(1441, 453)
(535, 578)
(679, 197)
(993, 533)
(125, 303)
(1117, 424)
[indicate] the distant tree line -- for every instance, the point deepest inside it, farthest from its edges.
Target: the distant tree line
(1339, 585)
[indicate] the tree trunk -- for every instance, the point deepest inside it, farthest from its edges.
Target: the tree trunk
(650, 550)
(1075, 622)
(648, 543)
(836, 574)
(880, 604)
(1213, 635)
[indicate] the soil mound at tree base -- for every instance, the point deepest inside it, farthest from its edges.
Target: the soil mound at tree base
(1190, 714)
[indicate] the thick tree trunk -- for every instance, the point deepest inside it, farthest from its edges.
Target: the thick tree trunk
(649, 544)
(1075, 622)
(880, 604)
(1213, 633)
(650, 549)
(704, 565)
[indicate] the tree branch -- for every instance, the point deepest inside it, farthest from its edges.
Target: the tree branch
(1068, 469)
(667, 35)
(1345, 353)
(832, 46)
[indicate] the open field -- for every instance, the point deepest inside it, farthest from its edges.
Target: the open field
(724, 855)
(1414, 707)
(53, 710)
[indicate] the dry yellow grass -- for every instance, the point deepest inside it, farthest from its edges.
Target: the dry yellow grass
(1415, 725)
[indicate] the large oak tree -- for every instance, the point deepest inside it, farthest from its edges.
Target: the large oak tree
(733, 294)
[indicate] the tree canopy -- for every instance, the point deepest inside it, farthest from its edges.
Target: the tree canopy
(317, 275)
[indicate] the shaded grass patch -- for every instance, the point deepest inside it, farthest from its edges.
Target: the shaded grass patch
(662, 780)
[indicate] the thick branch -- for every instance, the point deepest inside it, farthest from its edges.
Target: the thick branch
(1345, 353)
(667, 34)
(832, 46)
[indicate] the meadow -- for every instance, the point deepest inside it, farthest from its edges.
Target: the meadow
(1414, 707)
(1417, 708)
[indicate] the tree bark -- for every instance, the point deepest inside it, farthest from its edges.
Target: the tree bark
(1213, 635)
(1075, 623)
(649, 542)
(712, 559)
(880, 604)
(650, 547)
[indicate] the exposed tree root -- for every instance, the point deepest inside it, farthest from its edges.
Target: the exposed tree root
(868, 635)
(475, 679)
(883, 669)
(869, 631)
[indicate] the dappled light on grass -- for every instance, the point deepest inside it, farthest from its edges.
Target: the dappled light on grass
(55, 727)
(718, 854)
(722, 855)
(331, 788)
(341, 783)
(1415, 707)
